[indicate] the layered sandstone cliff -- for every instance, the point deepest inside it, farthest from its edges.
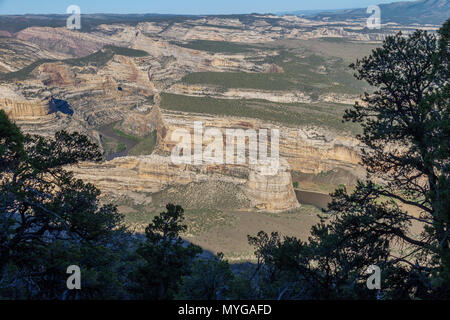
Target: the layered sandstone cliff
(25, 109)
(151, 174)
(235, 93)
(307, 149)
(63, 40)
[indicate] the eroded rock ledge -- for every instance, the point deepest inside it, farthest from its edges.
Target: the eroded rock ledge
(154, 173)
(23, 109)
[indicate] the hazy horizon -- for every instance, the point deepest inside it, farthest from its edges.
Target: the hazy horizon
(179, 7)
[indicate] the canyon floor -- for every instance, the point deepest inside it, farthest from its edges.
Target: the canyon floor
(226, 231)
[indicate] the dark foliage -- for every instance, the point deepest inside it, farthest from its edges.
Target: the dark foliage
(407, 157)
(49, 220)
(167, 257)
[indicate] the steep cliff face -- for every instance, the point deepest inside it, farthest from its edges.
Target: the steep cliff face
(25, 109)
(271, 192)
(306, 149)
(151, 174)
(157, 172)
(315, 150)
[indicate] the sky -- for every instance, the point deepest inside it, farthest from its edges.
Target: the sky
(179, 6)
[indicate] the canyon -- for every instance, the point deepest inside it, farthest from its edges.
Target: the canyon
(308, 150)
(249, 72)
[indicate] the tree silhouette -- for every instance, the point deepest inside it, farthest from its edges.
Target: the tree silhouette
(167, 257)
(49, 220)
(406, 130)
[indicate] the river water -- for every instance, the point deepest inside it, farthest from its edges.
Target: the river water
(319, 200)
(108, 131)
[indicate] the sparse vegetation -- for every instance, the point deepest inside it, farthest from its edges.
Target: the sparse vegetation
(126, 135)
(309, 73)
(23, 73)
(164, 245)
(121, 147)
(111, 145)
(216, 46)
(127, 52)
(321, 114)
(145, 146)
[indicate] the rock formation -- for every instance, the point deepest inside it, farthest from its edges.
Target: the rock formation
(235, 93)
(122, 89)
(151, 174)
(25, 109)
(306, 149)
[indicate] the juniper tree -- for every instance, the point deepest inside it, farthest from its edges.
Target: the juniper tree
(50, 220)
(167, 258)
